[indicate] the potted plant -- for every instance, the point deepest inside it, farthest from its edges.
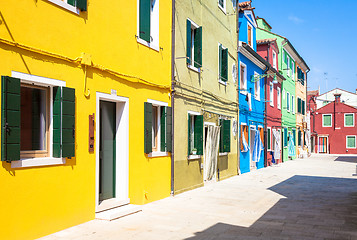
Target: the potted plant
(194, 151)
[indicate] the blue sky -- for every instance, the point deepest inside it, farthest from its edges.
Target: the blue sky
(323, 34)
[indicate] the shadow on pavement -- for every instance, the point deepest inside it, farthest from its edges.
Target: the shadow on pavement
(314, 208)
(350, 159)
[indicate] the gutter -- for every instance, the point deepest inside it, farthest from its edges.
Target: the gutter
(173, 98)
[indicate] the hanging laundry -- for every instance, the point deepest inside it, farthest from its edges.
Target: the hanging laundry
(245, 144)
(258, 147)
(291, 147)
(249, 95)
(277, 145)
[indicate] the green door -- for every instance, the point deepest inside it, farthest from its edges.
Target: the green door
(107, 150)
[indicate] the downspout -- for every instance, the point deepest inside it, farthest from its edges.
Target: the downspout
(238, 82)
(265, 116)
(173, 98)
(282, 69)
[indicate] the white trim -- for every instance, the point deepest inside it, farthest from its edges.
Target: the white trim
(271, 93)
(345, 119)
(147, 44)
(157, 103)
(251, 58)
(122, 145)
(224, 6)
(288, 101)
(158, 154)
(193, 113)
(292, 104)
(257, 83)
(209, 124)
(278, 97)
(43, 81)
(223, 154)
(193, 23)
(193, 68)
(347, 142)
(244, 92)
(252, 35)
(37, 162)
(222, 82)
(243, 123)
(191, 157)
(323, 120)
(246, 13)
(65, 6)
(274, 59)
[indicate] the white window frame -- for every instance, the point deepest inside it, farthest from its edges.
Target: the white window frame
(219, 76)
(288, 105)
(192, 64)
(252, 35)
(271, 94)
(278, 97)
(269, 147)
(288, 63)
(190, 114)
(345, 119)
(323, 125)
(224, 6)
(256, 87)
(154, 27)
(65, 6)
(274, 60)
(243, 89)
(44, 82)
(347, 141)
(158, 152)
(292, 104)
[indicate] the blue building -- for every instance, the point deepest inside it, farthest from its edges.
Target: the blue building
(251, 93)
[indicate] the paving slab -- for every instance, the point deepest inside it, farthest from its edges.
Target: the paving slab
(312, 198)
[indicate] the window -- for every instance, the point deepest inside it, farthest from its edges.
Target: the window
(303, 107)
(288, 64)
(299, 105)
(243, 78)
(71, 5)
(195, 134)
(244, 142)
(148, 29)
(222, 5)
(299, 138)
(225, 136)
(292, 104)
(27, 110)
(349, 120)
(351, 141)
(288, 101)
(278, 96)
(294, 136)
(271, 94)
(269, 139)
(250, 35)
(157, 128)
(285, 137)
(193, 44)
(327, 120)
(274, 60)
(257, 87)
(223, 63)
(300, 76)
(292, 69)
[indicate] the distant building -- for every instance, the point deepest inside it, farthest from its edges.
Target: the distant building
(348, 98)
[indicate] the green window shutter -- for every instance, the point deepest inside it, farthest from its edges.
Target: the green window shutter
(188, 42)
(294, 136)
(198, 135)
(163, 129)
(221, 136)
(299, 105)
(189, 135)
(227, 135)
(349, 120)
(82, 4)
(327, 120)
(299, 138)
(68, 121)
(168, 129)
(285, 137)
(72, 2)
(198, 48)
(10, 118)
(351, 142)
(303, 107)
(147, 127)
(285, 58)
(220, 61)
(225, 65)
(57, 129)
(144, 19)
(269, 139)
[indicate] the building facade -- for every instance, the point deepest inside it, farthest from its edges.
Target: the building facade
(85, 110)
(205, 99)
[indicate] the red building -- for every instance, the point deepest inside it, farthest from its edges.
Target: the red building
(268, 49)
(333, 126)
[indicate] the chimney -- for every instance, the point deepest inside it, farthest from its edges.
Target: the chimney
(337, 97)
(356, 90)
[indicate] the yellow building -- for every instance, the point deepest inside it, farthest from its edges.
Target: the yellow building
(62, 62)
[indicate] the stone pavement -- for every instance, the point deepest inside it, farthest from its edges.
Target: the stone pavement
(314, 198)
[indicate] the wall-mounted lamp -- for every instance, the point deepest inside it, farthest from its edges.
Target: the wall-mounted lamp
(256, 78)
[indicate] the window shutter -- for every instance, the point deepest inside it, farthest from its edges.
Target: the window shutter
(198, 48)
(227, 135)
(225, 64)
(189, 135)
(261, 131)
(72, 2)
(199, 134)
(221, 135)
(220, 61)
(163, 129)
(144, 20)
(147, 127)
(299, 138)
(188, 42)
(10, 118)
(285, 137)
(269, 139)
(294, 136)
(303, 107)
(168, 129)
(68, 122)
(241, 138)
(299, 105)
(82, 5)
(349, 119)
(57, 129)
(286, 58)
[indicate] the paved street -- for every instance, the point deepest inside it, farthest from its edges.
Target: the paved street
(314, 198)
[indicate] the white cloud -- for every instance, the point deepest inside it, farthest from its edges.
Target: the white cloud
(295, 19)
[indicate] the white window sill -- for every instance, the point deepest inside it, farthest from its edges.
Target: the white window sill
(37, 162)
(223, 10)
(194, 157)
(244, 92)
(145, 43)
(349, 126)
(258, 99)
(223, 154)
(158, 154)
(222, 82)
(65, 6)
(193, 68)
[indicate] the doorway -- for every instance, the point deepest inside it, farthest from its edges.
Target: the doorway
(211, 145)
(323, 144)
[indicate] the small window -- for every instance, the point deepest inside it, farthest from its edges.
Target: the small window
(351, 141)
(278, 96)
(349, 120)
(225, 136)
(299, 105)
(71, 5)
(288, 101)
(269, 139)
(194, 44)
(274, 60)
(292, 104)
(149, 23)
(327, 120)
(223, 63)
(300, 138)
(243, 77)
(257, 88)
(288, 64)
(222, 5)
(195, 134)
(285, 137)
(250, 35)
(271, 94)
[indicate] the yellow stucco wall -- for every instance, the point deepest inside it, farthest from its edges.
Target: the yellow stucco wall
(37, 201)
(300, 93)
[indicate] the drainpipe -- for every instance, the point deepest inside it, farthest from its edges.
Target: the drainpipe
(237, 73)
(265, 117)
(173, 97)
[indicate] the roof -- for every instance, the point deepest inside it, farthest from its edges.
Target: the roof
(339, 89)
(267, 40)
(265, 22)
(313, 92)
(245, 4)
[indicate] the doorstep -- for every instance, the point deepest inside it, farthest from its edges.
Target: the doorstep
(118, 212)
